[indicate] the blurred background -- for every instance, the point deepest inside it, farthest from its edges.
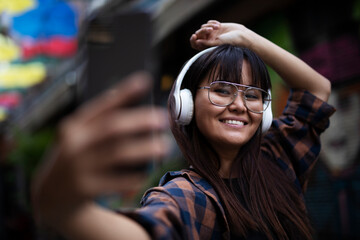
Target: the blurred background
(50, 51)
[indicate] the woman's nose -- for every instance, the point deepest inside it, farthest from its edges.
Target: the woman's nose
(238, 104)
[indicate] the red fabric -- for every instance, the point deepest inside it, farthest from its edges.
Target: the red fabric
(10, 100)
(59, 47)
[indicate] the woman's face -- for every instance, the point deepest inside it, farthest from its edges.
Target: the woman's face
(226, 128)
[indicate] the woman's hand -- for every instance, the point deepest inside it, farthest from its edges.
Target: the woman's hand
(296, 73)
(214, 33)
(95, 149)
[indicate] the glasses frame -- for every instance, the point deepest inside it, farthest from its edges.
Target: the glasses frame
(236, 85)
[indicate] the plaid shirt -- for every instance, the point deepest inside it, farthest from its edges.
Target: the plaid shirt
(185, 206)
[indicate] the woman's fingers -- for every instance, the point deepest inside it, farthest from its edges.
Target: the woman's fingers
(193, 43)
(129, 122)
(87, 173)
(105, 168)
(121, 140)
(200, 40)
(77, 137)
(108, 121)
(126, 93)
(214, 33)
(206, 36)
(126, 153)
(214, 22)
(102, 148)
(206, 33)
(211, 24)
(141, 150)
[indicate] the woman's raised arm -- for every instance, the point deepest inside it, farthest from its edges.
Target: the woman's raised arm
(295, 72)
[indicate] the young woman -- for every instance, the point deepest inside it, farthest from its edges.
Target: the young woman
(245, 179)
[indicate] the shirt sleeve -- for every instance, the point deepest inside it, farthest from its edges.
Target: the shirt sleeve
(159, 215)
(293, 140)
(179, 209)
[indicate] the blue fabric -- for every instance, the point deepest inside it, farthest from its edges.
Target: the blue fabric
(48, 19)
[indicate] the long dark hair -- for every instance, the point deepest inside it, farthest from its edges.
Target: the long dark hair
(271, 203)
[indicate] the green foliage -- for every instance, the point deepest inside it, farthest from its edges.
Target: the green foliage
(30, 148)
(356, 10)
(276, 28)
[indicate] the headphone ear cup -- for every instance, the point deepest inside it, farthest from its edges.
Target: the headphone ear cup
(186, 107)
(267, 119)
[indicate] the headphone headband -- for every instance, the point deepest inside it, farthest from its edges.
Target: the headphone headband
(186, 67)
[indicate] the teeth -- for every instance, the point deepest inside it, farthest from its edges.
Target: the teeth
(234, 122)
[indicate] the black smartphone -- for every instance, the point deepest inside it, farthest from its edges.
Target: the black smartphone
(116, 45)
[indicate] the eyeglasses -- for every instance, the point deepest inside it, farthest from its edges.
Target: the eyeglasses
(222, 93)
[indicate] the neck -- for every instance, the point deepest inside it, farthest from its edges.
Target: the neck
(226, 159)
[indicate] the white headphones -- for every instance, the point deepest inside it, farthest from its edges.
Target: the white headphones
(184, 105)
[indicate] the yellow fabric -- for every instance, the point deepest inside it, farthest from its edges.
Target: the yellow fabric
(16, 6)
(9, 51)
(22, 75)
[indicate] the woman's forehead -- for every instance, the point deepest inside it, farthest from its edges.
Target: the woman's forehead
(243, 77)
(247, 77)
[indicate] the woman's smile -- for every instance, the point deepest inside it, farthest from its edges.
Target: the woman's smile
(234, 122)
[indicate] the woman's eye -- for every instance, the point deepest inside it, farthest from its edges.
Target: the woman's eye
(252, 95)
(223, 91)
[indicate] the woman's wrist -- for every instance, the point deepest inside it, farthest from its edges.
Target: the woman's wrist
(245, 37)
(73, 219)
(254, 41)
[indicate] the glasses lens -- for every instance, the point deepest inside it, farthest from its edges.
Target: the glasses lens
(222, 94)
(256, 100)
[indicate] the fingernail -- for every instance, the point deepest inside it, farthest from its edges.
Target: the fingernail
(140, 80)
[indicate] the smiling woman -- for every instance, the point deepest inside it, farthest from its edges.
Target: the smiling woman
(246, 172)
(226, 145)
